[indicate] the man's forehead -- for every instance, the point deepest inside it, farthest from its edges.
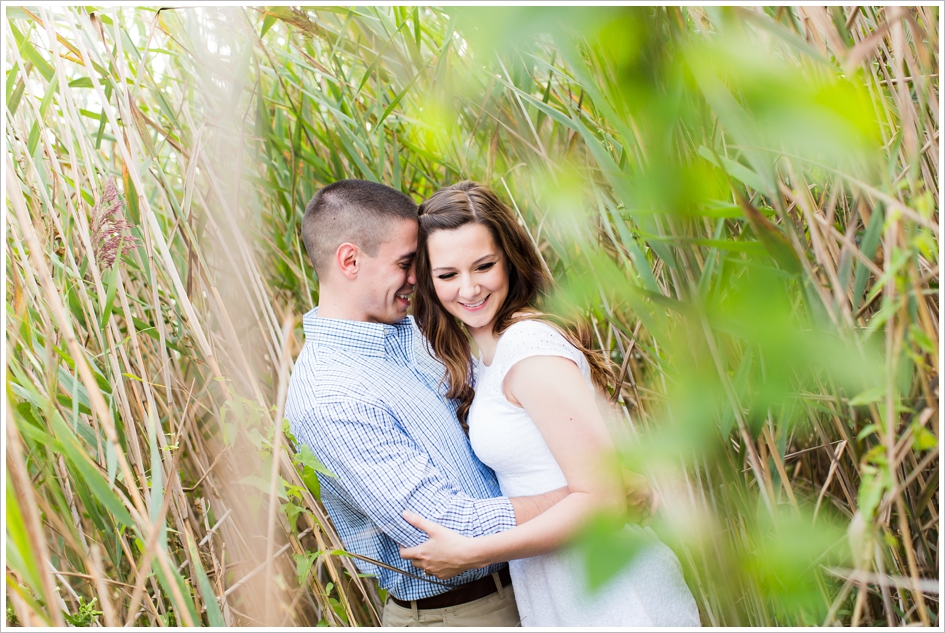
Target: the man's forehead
(401, 239)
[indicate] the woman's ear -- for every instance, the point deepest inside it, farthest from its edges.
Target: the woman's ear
(348, 259)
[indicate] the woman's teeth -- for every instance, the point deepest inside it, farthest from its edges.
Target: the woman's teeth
(474, 305)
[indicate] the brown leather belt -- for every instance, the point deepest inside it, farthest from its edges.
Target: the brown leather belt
(461, 595)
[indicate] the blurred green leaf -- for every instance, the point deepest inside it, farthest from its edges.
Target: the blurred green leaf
(263, 485)
(608, 545)
(923, 439)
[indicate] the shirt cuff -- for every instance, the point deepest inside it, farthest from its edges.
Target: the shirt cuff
(495, 515)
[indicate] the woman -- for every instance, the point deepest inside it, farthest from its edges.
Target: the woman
(532, 418)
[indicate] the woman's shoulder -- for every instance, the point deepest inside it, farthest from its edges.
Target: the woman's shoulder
(532, 336)
(531, 328)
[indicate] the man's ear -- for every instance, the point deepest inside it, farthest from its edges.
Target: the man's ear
(348, 259)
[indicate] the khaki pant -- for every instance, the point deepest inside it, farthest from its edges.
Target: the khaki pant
(497, 609)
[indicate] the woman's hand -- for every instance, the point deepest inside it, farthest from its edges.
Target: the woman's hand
(445, 553)
(642, 499)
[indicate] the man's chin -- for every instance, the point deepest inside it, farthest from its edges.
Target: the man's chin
(397, 315)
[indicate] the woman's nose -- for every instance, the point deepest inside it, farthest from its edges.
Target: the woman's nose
(468, 289)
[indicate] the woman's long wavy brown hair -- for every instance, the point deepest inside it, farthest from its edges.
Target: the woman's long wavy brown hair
(465, 203)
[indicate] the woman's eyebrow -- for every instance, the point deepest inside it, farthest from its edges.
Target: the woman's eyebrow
(483, 257)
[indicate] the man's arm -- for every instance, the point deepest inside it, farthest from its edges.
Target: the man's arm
(387, 472)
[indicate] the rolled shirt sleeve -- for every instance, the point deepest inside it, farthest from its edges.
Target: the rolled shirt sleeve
(386, 472)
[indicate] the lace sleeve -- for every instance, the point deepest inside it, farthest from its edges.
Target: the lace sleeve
(534, 338)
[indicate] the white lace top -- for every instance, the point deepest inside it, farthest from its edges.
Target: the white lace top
(492, 416)
(551, 590)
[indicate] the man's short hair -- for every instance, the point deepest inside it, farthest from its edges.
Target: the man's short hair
(356, 211)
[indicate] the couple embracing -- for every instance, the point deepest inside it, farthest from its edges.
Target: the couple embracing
(449, 463)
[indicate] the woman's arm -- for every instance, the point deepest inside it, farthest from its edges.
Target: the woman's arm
(552, 391)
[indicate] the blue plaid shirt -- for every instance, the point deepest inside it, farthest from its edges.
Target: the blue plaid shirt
(367, 400)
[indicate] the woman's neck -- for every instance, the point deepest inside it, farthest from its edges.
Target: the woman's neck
(486, 340)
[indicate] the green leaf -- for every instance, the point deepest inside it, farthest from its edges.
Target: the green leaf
(16, 13)
(81, 82)
(339, 609)
(90, 474)
(268, 21)
(310, 479)
(872, 486)
(79, 393)
(214, 615)
(86, 616)
(922, 341)
(12, 76)
(230, 431)
(131, 199)
(20, 555)
(28, 51)
(14, 101)
(157, 478)
(923, 439)
(112, 279)
(399, 97)
(377, 60)
(738, 246)
(734, 169)
(608, 546)
(868, 247)
(186, 595)
(292, 512)
(876, 394)
(307, 458)
(33, 140)
(866, 431)
(303, 565)
(263, 485)
(111, 462)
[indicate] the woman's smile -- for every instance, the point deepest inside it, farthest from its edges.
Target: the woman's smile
(474, 306)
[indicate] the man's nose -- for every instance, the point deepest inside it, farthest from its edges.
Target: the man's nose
(412, 275)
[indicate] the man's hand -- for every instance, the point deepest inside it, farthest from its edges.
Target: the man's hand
(444, 554)
(642, 499)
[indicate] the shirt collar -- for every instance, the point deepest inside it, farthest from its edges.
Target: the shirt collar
(358, 336)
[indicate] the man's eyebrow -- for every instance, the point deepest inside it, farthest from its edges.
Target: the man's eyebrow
(474, 263)
(410, 255)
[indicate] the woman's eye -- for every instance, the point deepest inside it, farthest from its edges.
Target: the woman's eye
(446, 276)
(485, 267)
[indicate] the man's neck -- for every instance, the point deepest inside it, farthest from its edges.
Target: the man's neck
(331, 306)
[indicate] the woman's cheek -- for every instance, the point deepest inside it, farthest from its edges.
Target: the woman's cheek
(498, 280)
(442, 292)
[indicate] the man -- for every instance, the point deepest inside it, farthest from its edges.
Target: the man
(366, 397)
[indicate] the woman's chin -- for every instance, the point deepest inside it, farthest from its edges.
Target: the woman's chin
(474, 325)
(471, 321)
